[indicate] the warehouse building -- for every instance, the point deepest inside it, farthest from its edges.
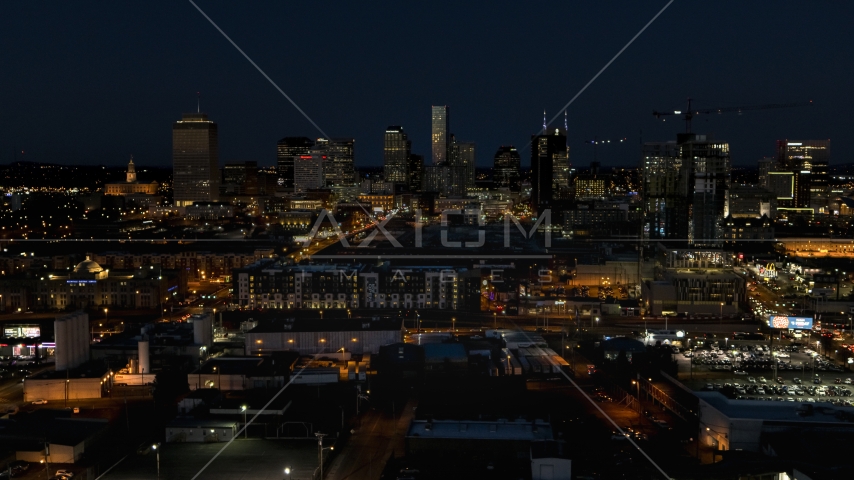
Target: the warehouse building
(311, 336)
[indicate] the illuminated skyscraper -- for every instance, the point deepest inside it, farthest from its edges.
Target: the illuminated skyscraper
(548, 153)
(308, 172)
(505, 169)
(440, 138)
(287, 149)
(396, 151)
(808, 159)
(338, 157)
(195, 160)
(685, 189)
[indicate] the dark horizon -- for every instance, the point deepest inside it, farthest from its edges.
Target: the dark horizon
(123, 83)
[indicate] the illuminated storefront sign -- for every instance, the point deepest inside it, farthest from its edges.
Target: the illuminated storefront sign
(791, 323)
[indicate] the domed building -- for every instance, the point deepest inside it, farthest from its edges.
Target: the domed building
(89, 285)
(89, 270)
(131, 185)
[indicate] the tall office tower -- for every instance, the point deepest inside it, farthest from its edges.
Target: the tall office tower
(765, 165)
(287, 149)
(240, 178)
(506, 167)
(338, 161)
(665, 191)
(396, 151)
(807, 157)
(467, 159)
(686, 184)
(416, 172)
(195, 160)
(308, 172)
(440, 140)
(549, 167)
(712, 178)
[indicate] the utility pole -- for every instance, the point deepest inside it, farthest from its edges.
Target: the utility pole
(46, 459)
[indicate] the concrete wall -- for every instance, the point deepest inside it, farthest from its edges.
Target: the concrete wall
(308, 343)
(618, 273)
(54, 389)
(199, 434)
(58, 454)
(233, 382)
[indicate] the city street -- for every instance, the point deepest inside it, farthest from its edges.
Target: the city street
(379, 436)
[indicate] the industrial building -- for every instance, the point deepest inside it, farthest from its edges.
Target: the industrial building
(242, 373)
(504, 436)
(136, 355)
(310, 336)
(51, 436)
(87, 381)
(183, 430)
(727, 424)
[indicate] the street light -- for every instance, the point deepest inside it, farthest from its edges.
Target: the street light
(320, 449)
(157, 452)
(453, 324)
(245, 426)
(288, 472)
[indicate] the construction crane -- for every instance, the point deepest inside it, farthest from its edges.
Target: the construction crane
(690, 112)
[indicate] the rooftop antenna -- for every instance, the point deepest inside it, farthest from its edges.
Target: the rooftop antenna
(198, 102)
(544, 122)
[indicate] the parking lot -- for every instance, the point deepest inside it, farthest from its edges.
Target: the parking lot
(751, 371)
(254, 458)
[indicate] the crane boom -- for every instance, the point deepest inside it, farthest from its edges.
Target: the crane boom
(689, 113)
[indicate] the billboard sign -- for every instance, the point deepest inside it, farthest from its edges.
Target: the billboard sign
(18, 331)
(790, 323)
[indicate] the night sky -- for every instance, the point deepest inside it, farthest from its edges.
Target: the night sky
(94, 82)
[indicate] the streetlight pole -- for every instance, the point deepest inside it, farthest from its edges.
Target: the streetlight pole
(157, 452)
(320, 450)
(245, 426)
(288, 472)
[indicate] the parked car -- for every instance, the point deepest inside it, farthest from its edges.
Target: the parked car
(64, 473)
(39, 401)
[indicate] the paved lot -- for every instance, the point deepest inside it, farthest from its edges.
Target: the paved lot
(799, 365)
(243, 459)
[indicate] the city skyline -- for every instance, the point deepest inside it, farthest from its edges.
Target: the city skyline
(252, 116)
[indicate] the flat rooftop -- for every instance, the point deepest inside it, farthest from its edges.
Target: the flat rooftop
(283, 324)
(479, 430)
(823, 412)
(93, 369)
